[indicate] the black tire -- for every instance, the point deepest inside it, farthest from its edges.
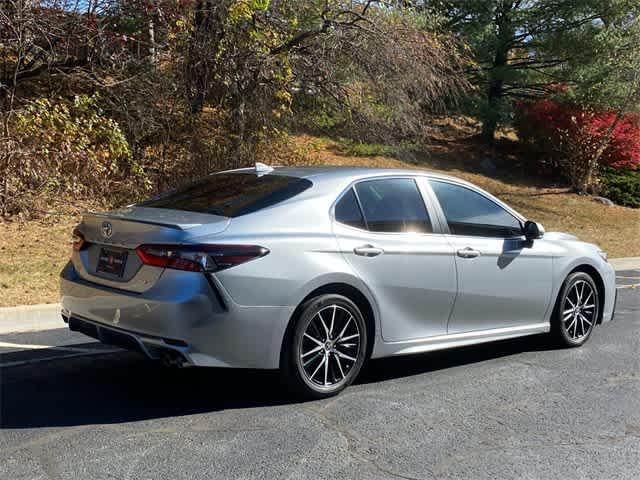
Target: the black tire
(575, 315)
(318, 365)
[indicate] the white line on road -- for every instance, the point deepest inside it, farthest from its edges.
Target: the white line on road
(634, 285)
(27, 346)
(58, 357)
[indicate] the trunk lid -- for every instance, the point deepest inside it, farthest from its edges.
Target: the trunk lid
(113, 236)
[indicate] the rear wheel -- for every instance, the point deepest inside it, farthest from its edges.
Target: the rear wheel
(576, 311)
(327, 348)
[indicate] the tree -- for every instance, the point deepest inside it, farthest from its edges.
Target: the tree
(54, 56)
(524, 46)
(597, 113)
(252, 57)
(611, 79)
(204, 82)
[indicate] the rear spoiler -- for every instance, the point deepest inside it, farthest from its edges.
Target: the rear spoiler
(108, 216)
(175, 219)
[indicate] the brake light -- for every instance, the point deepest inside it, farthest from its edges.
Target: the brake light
(77, 239)
(199, 258)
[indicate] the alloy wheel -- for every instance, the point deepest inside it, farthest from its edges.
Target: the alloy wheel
(579, 310)
(330, 347)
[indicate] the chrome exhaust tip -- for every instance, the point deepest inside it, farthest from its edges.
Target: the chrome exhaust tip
(172, 359)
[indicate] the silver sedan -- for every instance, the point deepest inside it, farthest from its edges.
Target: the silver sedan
(315, 270)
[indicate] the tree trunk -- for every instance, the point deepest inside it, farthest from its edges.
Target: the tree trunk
(208, 32)
(5, 163)
(589, 180)
(494, 95)
(505, 32)
(151, 29)
(89, 40)
(239, 120)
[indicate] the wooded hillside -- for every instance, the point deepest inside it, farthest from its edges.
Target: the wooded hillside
(106, 101)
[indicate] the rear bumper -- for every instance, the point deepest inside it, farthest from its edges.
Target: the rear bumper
(154, 348)
(192, 312)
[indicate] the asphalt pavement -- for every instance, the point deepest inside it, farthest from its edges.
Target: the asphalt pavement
(74, 409)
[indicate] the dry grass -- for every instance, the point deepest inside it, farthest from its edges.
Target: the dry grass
(33, 253)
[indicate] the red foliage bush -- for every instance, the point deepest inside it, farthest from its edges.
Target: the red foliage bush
(561, 130)
(624, 148)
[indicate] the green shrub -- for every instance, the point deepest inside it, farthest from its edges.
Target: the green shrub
(74, 144)
(363, 149)
(359, 149)
(622, 187)
(65, 148)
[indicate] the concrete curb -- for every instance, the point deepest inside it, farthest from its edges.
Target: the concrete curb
(30, 318)
(629, 263)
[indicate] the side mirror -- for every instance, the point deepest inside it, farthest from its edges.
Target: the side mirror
(533, 230)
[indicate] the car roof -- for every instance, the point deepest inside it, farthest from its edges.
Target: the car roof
(330, 173)
(332, 177)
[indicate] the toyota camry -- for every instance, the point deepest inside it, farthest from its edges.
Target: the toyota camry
(314, 271)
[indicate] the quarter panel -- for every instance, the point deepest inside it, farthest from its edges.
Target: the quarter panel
(303, 252)
(278, 278)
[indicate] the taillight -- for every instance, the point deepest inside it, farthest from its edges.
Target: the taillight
(199, 258)
(77, 239)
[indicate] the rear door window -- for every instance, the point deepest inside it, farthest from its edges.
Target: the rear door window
(231, 194)
(393, 205)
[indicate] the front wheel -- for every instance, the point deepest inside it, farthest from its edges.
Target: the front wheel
(327, 348)
(576, 311)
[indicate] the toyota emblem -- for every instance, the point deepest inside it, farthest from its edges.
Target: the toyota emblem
(107, 229)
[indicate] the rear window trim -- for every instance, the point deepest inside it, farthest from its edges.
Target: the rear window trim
(332, 212)
(427, 205)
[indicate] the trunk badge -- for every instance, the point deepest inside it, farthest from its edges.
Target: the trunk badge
(107, 229)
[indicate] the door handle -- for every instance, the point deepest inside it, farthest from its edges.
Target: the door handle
(368, 251)
(468, 252)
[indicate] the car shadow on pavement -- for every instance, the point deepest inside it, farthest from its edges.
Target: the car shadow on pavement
(125, 387)
(383, 369)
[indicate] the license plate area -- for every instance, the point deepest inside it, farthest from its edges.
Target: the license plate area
(112, 262)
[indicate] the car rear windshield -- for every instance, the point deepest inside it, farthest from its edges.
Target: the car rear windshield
(231, 194)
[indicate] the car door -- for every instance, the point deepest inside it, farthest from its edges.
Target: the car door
(386, 234)
(503, 279)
